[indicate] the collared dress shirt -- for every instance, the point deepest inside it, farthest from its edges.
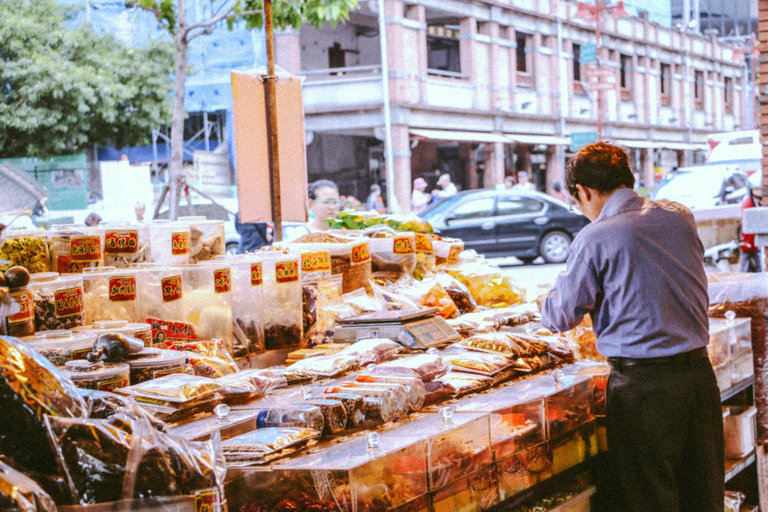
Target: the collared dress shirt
(638, 271)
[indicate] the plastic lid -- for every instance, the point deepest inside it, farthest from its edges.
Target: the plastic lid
(85, 370)
(147, 353)
(54, 277)
(163, 359)
(121, 326)
(19, 232)
(60, 337)
(98, 270)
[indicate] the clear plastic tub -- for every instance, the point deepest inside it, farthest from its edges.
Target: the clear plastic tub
(283, 322)
(62, 346)
(21, 323)
(110, 294)
(74, 248)
(208, 301)
(28, 248)
(169, 242)
(58, 301)
(160, 304)
(126, 244)
(99, 376)
(137, 330)
(247, 304)
(154, 363)
(206, 238)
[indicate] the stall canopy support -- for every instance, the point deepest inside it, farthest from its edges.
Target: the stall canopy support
(270, 97)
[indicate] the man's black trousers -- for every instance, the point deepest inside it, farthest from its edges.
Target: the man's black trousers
(665, 437)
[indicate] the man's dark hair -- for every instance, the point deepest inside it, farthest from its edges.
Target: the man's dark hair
(313, 188)
(601, 166)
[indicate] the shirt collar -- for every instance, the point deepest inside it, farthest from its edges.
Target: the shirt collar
(619, 202)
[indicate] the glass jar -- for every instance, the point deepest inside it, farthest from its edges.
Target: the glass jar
(247, 303)
(282, 299)
(208, 301)
(58, 301)
(110, 294)
(99, 376)
(74, 248)
(28, 248)
(22, 321)
(136, 330)
(126, 244)
(206, 238)
(169, 242)
(62, 346)
(153, 363)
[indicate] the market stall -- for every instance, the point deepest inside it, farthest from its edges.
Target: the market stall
(375, 367)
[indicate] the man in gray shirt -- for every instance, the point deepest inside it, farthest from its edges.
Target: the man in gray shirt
(637, 270)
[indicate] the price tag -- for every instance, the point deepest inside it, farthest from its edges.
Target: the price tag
(222, 280)
(85, 249)
(257, 278)
(122, 289)
(121, 242)
(287, 272)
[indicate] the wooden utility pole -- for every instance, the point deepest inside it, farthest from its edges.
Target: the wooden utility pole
(270, 96)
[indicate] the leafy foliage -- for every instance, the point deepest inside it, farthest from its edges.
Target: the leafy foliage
(66, 89)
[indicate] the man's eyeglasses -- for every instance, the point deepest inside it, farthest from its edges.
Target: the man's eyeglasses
(573, 206)
(327, 201)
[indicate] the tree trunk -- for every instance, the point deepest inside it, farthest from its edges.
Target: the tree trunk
(177, 124)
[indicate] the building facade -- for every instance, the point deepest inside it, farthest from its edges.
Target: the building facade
(485, 89)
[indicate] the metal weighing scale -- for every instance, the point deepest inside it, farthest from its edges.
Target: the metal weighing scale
(413, 328)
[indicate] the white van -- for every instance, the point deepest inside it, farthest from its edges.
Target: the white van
(742, 149)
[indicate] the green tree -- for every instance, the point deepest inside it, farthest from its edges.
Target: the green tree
(171, 15)
(67, 89)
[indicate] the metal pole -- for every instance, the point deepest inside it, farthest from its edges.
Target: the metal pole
(270, 96)
(390, 159)
(597, 58)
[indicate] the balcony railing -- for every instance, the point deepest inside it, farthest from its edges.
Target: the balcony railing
(317, 74)
(446, 74)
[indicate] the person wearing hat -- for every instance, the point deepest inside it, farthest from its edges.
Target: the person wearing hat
(448, 189)
(419, 198)
(750, 253)
(524, 182)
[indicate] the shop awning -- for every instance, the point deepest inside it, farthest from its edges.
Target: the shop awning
(647, 144)
(682, 146)
(456, 136)
(637, 144)
(549, 140)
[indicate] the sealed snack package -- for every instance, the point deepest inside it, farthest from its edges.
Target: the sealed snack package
(465, 383)
(373, 351)
(425, 256)
(507, 344)
(27, 248)
(438, 390)
(319, 323)
(391, 251)
(582, 341)
(426, 366)
(364, 303)
(31, 388)
(428, 293)
(327, 366)
(458, 292)
(265, 444)
(19, 493)
(488, 285)
(394, 301)
(178, 388)
(517, 315)
(350, 256)
(247, 384)
(207, 358)
(476, 362)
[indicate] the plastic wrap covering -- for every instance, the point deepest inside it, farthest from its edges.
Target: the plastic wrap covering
(283, 322)
(19, 493)
(247, 384)
(477, 492)
(426, 366)
(524, 470)
(488, 285)
(319, 321)
(399, 392)
(247, 304)
(368, 474)
(291, 415)
(746, 294)
(31, 388)
(600, 373)
(569, 400)
(373, 350)
(327, 366)
(266, 444)
(350, 257)
(518, 422)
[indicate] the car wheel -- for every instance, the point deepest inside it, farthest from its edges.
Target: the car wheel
(554, 246)
(232, 247)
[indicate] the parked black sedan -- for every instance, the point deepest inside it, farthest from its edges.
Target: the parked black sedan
(508, 223)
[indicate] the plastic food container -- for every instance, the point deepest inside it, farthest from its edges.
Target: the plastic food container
(206, 238)
(21, 323)
(283, 323)
(62, 346)
(58, 301)
(126, 245)
(740, 431)
(160, 304)
(393, 253)
(74, 248)
(137, 330)
(110, 294)
(99, 376)
(208, 301)
(153, 363)
(350, 257)
(28, 248)
(169, 242)
(247, 304)
(447, 250)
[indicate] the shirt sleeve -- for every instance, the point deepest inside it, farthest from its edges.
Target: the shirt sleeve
(575, 293)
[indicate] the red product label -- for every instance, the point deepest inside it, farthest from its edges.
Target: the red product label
(222, 280)
(360, 253)
(164, 331)
(319, 261)
(121, 242)
(171, 288)
(26, 308)
(287, 272)
(256, 276)
(145, 336)
(424, 243)
(64, 265)
(122, 289)
(68, 302)
(79, 355)
(111, 385)
(180, 243)
(208, 500)
(85, 248)
(403, 245)
(453, 255)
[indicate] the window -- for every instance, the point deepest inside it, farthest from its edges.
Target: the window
(577, 62)
(474, 209)
(518, 206)
(524, 59)
(443, 50)
(625, 75)
(728, 94)
(665, 84)
(698, 89)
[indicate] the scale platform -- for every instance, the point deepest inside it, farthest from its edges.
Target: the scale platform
(414, 328)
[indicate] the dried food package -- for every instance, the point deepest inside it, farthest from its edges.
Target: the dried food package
(98, 375)
(517, 315)
(350, 257)
(27, 248)
(425, 256)
(466, 383)
(170, 242)
(94, 454)
(164, 465)
(458, 292)
(470, 324)
(481, 363)
(19, 493)
(206, 358)
(61, 346)
(319, 324)
(178, 388)
(413, 384)
(109, 295)
(489, 285)
(582, 340)
(247, 384)
(126, 245)
(394, 301)
(208, 301)
(446, 250)
(374, 351)
(507, 344)
(103, 405)
(256, 446)
(31, 388)
(401, 400)
(247, 304)
(327, 366)
(391, 251)
(206, 238)
(58, 301)
(282, 292)
(437, 391)
(428, 293)
(160, 304)
(73, 248)
(363, 303)
(426, 366)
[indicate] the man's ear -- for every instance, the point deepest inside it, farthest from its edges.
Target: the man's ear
(584, 192)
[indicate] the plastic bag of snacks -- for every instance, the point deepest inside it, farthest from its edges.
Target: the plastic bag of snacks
(19, 493)
(319, 323)
(394, 301)
(103, 405)
(429, 293)
(426, 366)
(327, 366)
(392, 251)
(364, 303)
(283, 322)
(208, 358)
(247, 304)
(373, 350)
(425, 256)
(350, 256)
(488, 285)
(178, 387)
(247, 384)
(458, 291)
(582, 341)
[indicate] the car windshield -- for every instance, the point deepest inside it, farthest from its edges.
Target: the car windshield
(437, 208)
(696, 188)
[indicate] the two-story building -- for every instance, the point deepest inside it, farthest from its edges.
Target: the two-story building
(486, 88)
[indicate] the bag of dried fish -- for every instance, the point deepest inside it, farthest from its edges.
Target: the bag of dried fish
(327, 366)
(19, 493)
(375, 350)
(480, 363)
(31, 388)
(178, 388)
(426, 366)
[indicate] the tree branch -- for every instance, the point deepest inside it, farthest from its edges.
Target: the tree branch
(221, 17)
